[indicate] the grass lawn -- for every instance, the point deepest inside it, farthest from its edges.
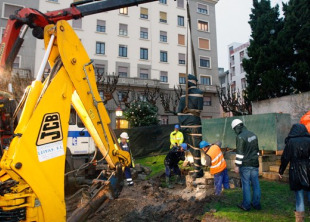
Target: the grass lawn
(156, 163)
(278, 204)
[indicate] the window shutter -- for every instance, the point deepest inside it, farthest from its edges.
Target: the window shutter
(202, 6)
(144, 71)
(181, 3)
(163, 15)
(163, 73)
(144, 11)
(122, 26)
(163, 33)
(204, 43)
(143, 29)
(101, 22)
(181, 39)
(181, 56)
(122, 69)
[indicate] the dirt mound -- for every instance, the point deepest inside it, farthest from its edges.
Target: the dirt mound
(149, 201)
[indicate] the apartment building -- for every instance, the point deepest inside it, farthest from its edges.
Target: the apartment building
(146, 45)
(237, 78)
(24, 63)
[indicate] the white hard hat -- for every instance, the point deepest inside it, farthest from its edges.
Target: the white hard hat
(235, 123)
(124, 135)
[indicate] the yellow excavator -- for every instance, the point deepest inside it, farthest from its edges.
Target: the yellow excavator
(33, 166)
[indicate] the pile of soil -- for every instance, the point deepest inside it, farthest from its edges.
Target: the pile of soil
(151, 201)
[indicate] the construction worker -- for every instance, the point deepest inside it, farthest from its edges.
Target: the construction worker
(247, 164)
(172, 159)
(125, 146)
(296, 153)
(176, 137)
(218, 168)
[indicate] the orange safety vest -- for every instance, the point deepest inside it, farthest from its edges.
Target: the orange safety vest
(218, 163)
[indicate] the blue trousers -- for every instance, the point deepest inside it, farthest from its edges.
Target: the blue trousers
(300, 205)
(221, 179)
(175, 169)
(249, 177)
(128, 176)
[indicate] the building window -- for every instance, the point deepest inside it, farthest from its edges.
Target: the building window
(204, 43)
(163, 36)
(163, 56)
(100, 48)
(233, 71)
(241, 68)
(243, 83)
(123, 11)
(180, 3)
(232, 61)
(122, 72)
(163, 76)
(123, 29)
(207, 101)
(144, 34)
(241, 55)
(181, 58)
(16, 63)
(144, 73)
(182, 78)
(100, 26)
(9, 10)
(163, 17)
(233, 87)
(205, 80)
(180, 20)
(77, 24)
(99, 71)
(144, 13)
(144, 53)
(204, 62)
(163, 1)
(121, 95)
(203, 26)
(181, 39)
(122, 50)
(203, 9)
(52, 0)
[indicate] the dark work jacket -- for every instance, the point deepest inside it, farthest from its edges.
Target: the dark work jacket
(297, 153)
(247, 152)
(125, 146)
(174, 156)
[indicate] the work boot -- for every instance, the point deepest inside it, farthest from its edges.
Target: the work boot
(169, 185)
(178, 180)
(299, 216)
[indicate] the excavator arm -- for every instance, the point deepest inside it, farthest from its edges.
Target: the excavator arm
(32, 175)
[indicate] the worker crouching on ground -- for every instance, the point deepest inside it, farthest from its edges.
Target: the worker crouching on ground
(218, 168)
(176, 137)
(247, 164)
(297, 153)
(125, 146)
(172, 159)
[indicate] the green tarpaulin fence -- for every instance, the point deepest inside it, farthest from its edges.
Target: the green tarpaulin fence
(271, 130)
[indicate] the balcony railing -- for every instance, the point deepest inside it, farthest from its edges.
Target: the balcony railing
(22, 73)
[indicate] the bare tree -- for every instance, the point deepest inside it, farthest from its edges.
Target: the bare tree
(151, 95)
(106, 84)
(170, 100)
(237, 102)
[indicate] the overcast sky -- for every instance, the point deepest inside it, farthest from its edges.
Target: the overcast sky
(232, 25)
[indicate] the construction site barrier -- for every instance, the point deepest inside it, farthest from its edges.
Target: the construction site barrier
(271, 130)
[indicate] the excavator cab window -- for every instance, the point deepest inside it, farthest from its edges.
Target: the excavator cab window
(72, 120)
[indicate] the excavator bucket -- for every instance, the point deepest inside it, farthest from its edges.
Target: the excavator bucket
(306, 120)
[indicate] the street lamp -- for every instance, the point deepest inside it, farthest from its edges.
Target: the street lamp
(119, 114)
(119, 111)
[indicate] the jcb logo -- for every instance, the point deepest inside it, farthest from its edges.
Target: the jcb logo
(50, 129)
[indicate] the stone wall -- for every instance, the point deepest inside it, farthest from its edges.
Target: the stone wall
(296, 105)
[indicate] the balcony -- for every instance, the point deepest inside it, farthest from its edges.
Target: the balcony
(208, 88)
(22, 73)
(141, 82)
